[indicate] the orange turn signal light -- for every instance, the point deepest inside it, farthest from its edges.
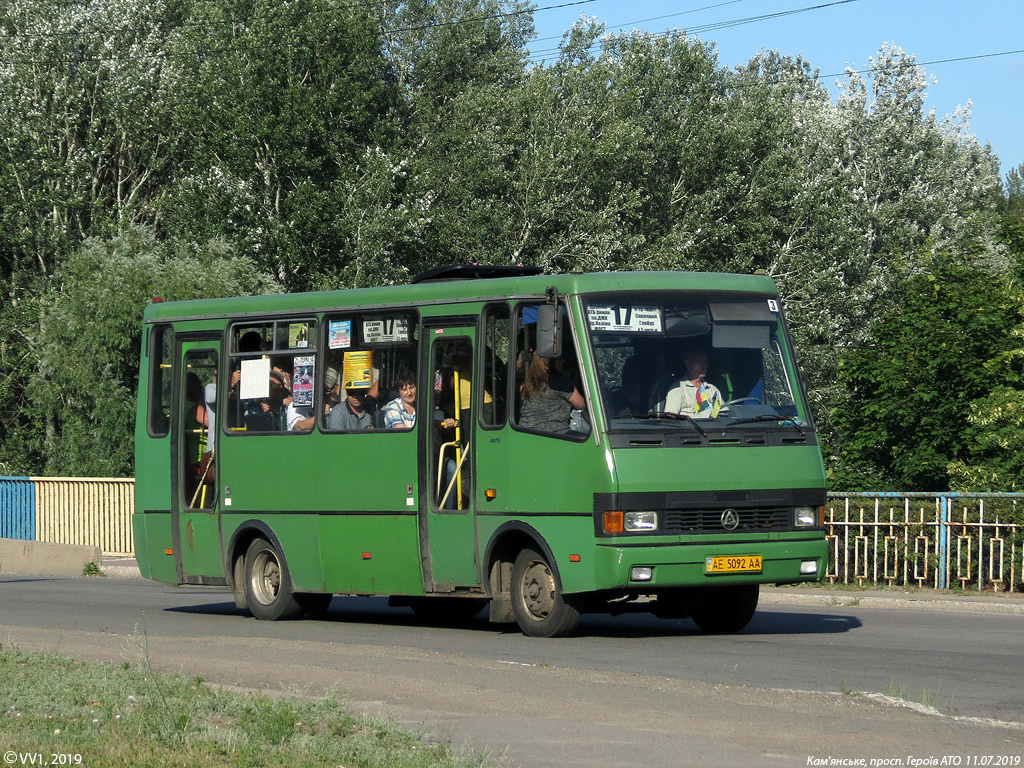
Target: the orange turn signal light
(491, 494)
(614, 521)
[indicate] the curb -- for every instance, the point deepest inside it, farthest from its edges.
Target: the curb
(1009, 603)
(120, 568)
(46, 558)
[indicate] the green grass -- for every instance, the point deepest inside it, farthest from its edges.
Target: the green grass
(128, 716)
(929, 698)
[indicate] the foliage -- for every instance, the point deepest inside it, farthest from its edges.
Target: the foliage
(928, 371)
(337, 145)
(88, 338)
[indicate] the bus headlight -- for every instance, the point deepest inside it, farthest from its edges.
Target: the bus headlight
(805, 517)
(641, 521)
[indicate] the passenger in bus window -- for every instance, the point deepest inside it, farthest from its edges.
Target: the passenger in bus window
(198, 446)
(354, 413)
(693, 395)
(210, 403)
(549, 396)
(400, 413)
(274, 405)
(197, 419)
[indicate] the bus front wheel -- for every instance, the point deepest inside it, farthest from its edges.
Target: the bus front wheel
(538, 605)
(268, 587)
(726, 609)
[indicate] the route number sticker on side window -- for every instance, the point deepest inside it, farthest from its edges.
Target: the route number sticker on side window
(618, 318)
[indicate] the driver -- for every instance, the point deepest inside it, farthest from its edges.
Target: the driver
(694, 396)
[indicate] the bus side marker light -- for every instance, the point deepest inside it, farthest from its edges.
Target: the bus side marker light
(613, 521)
(574, 558)
(367, 556)
(168, 551)
(491, 494)
(808, 567)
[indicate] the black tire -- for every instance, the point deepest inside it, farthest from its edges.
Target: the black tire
(446, 608)
(539, 607)
(314, 604)
(725, 610)
(268, 587)
(672, 604)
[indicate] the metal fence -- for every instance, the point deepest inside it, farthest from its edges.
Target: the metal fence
(93, 511)
(970, 541)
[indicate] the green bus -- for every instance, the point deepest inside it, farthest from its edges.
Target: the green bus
(546, 445)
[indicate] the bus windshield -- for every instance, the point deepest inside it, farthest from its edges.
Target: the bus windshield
(715, 361)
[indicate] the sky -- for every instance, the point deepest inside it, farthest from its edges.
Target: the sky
(848, 34)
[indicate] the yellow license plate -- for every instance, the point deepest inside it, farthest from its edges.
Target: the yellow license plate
(734, 564)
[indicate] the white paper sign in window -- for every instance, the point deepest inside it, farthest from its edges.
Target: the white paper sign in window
(386, 329)
(255, 381)
(624, 318)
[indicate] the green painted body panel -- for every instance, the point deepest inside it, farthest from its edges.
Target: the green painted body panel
(152, 533)
(683, 565)
(723, 468)
(392, 543)
(200, 545)
(534, 474)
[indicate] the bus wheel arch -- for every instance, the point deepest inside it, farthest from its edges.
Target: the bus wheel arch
(524, 583)
(240, 555)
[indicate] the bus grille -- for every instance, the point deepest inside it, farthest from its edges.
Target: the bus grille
(710, 520)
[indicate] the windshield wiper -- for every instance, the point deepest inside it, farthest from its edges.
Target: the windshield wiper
(671, 417)
(791, 420)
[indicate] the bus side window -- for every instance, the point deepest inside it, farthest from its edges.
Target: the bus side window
(496, 347)
(370, 373)
(273, 370)
(548, 395)
(161, 350)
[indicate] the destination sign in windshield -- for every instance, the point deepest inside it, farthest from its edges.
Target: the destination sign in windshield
(624, 318)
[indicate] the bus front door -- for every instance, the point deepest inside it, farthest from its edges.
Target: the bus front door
(447, 524)
(195, 528)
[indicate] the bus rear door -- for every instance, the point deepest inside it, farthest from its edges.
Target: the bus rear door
(195, 528)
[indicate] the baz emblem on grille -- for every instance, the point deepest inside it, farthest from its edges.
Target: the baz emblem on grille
(730, 520)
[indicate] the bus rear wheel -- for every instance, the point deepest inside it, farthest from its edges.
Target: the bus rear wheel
(268, 587)
(538, 605)
(724, 610)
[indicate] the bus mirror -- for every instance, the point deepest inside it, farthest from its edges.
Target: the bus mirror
(549, 330)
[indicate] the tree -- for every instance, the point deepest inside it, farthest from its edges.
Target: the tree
(995, 460)
(929, 369)
(84, 139)
(88, 340)
(284, 108)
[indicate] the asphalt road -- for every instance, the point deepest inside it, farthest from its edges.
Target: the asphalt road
(803, 681)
